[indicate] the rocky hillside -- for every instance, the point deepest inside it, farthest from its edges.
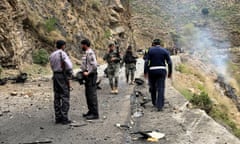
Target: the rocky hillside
(27, 25)
(166, 19)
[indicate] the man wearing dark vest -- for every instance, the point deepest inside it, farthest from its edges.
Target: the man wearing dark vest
(156, 71)
(89, 68)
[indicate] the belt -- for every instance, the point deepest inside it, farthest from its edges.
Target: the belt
(58, 72)
(157, 67)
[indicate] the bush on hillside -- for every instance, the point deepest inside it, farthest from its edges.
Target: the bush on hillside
(40, 56)
(205, 11)
(202, 101)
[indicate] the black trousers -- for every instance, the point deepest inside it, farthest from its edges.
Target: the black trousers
(157, 87)
(91, 93)
(61, 96)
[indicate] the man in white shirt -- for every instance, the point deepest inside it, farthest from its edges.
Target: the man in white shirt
(62, 69)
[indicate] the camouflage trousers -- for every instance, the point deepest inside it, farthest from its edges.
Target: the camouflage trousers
(130, 71)
(113, 75)
(61, 96)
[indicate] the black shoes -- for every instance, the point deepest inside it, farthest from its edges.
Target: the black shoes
(66, 122)
(159, 109)
(86, 114)
(58, 121)
(92, 117)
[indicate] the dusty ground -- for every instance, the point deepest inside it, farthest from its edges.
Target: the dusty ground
(28, 117)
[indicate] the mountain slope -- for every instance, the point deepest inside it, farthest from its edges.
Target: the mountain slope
(28, 25)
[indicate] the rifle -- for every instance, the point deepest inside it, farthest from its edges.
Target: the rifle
(118, 51)
(66, 73)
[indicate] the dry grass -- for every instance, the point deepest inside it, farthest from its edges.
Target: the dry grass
(193, 81)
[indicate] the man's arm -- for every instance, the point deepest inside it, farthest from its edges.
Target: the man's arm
(169, 62)
(146, 65)
(93, 62)
(105, 57)
(68, 63)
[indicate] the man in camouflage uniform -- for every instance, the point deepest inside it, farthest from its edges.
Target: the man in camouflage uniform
(130, 61)
(113, 59)
(89, 68)
(62, 70)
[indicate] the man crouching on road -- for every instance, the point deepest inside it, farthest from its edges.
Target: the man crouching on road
(62, 71)
(155, 69)
(89, 69)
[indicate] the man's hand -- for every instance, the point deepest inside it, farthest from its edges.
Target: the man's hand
(146, 76)
(85, 73)
(169, 75)
(112, 59)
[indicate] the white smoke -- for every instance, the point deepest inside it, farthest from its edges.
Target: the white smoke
(210, 50)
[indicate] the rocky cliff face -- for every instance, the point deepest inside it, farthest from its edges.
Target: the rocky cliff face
(27, 25)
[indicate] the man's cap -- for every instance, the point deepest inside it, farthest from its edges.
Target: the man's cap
(60, 43)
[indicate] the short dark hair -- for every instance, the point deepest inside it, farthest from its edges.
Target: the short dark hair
(86, 42)
(110, 45)
(157, 42)
(60, 43)
(129, 47)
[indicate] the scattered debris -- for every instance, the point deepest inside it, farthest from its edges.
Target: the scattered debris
(122, 126)
(6, 111)
(139, 81)
(3, 81)
(76, 124)
(44, 141)
(138, 114)
(150, 136)
(14, 93)
(21, 78)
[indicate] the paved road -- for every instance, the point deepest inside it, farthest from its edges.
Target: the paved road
(28, 117)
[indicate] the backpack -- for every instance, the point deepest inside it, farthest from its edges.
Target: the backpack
(129, 58)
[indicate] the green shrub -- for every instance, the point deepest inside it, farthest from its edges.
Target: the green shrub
(107, 34)
(186, 93)
(50, 24)
(223, 118)
(202, 101)
(40, 56)
(182, 68)
(205, 11)
(96, 5)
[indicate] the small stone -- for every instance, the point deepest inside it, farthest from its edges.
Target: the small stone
(6, 111)
(14, 93)
(26, 96)
(41, 128)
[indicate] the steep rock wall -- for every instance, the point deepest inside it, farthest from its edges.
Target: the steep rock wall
(27, 25)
